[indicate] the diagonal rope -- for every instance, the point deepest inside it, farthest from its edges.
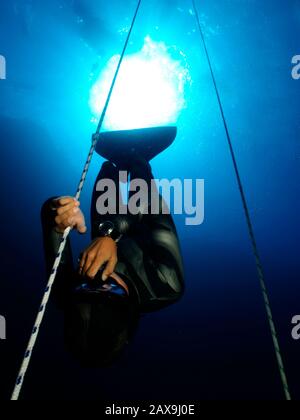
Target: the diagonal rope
(41, 313)
(258, 261)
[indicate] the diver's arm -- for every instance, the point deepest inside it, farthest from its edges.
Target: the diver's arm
(52, 238)
(65, 277)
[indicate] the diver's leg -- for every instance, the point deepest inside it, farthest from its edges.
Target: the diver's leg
(164, 251)
(141, 174)
(157, 236)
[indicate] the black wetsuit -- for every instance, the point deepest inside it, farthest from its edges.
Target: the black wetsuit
(149, 258)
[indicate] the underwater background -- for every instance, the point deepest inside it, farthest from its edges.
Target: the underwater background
(215, 344)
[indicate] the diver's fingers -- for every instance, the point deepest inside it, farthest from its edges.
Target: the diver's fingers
(80, 223)
(82, 262)
(63, 201)
(98, 262)
(68, 207)
(67, 217)
(88, 263)
(69, 222)
(77, 222)
(82, 228)
(110, 268)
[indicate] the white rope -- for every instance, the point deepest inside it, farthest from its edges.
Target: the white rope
(42, 310)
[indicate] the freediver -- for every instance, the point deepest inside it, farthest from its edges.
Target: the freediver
(133, 264)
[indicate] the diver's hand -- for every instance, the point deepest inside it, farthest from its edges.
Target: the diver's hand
(68, 214)
(103, 251)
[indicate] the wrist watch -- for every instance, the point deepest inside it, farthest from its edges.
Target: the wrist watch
(108, 230)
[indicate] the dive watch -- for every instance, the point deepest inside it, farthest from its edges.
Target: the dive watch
(108, 230)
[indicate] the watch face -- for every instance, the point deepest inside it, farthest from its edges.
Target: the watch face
(106, 228)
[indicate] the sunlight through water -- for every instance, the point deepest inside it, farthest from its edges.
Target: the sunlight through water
(150, 89)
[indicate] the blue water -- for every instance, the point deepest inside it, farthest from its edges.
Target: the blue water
(214, 344)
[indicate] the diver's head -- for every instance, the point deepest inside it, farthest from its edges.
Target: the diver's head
(98, 326)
